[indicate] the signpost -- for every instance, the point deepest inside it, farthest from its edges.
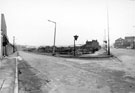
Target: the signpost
(75, 38)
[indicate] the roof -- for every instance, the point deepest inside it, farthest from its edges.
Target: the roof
(119, 39)
(130, 37)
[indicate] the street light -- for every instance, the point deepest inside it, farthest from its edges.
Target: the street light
(53, 53)
(75, 38)
(108, 30)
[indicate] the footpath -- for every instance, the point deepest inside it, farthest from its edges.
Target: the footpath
(98, 54)
(7, 74)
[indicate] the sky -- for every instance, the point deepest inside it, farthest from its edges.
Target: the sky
(27, 20)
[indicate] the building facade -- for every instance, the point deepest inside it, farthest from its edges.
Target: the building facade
(91, 46)
(127, 42)
(5, 47)
(119, 43)
(131, 41)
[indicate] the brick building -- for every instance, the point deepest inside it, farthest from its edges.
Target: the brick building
(119, 43)
(91, 46)
(131, 41)
(127, 42)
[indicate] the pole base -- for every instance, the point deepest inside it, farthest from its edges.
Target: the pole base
(53, 54)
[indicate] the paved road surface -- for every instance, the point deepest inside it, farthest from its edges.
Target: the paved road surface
(120, 52)
(127, 56)
(60, 75)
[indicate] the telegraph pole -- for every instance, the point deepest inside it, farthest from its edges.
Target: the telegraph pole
(13, 44)
(108, 30)
(105, 41)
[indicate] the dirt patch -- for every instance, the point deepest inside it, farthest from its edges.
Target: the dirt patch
(29, 82)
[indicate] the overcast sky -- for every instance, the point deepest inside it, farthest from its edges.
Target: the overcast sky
(27, 20)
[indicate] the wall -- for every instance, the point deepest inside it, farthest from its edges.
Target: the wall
(9, 49)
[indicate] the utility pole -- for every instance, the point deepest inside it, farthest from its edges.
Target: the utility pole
(105, 41)
(13, 44)
(108, 30)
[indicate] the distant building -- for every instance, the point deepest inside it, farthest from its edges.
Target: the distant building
(91, 46)
(119, 43)
(128, 42)
(131, 41)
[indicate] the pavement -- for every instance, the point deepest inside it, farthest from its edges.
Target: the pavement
(98, 54)
(7, 74)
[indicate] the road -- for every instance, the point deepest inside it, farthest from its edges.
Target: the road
(123, 52)
(127, 56)
(47, 74)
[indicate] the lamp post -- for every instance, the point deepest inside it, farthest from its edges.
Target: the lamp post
(108, 30)
(53, 53)
(75, 38)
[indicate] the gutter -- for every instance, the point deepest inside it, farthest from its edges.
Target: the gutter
(16, 76)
